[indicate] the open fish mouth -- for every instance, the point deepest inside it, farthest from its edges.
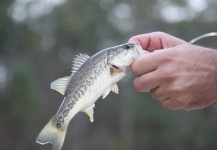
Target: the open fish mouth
(115, 67)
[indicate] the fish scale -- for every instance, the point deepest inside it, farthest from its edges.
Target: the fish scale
(80, 85)
(91, 78)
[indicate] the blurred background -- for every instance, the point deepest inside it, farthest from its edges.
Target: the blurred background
(40, 38)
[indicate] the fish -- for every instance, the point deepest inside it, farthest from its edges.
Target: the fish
(91, 78)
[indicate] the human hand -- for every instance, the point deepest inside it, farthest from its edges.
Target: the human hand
(181, 75)
(156, 41)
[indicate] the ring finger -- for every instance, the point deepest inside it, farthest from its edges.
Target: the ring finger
(159, 93)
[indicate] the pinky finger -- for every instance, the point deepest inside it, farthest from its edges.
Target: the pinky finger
(171, 104)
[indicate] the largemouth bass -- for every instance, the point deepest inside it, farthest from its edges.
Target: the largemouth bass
(91, 78)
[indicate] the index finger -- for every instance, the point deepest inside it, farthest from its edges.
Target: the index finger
(147, 62)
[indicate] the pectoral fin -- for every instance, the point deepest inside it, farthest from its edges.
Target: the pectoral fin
(113, 88)
(106, 93)
(89, 111)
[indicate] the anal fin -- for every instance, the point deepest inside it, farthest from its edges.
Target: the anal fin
(89, 111)
(114, 88)
(106, 93)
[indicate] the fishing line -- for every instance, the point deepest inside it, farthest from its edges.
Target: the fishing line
(203, 36)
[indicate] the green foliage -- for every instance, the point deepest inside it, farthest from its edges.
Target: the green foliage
(4, 25)
(20, 104)
(23, 95)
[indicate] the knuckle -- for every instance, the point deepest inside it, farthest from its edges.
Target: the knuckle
(168, 58)
(172, 104)
(177, 89)
(169, 74)
(159, 33)
(143, 83)
(165, 103)
(155, 94)
(137, 66)
(139, 85)
(135, 69)
(183, 103)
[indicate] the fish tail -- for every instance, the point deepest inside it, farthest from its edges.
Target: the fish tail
(53, 135)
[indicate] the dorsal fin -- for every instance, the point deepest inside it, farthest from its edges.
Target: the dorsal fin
(78, 62)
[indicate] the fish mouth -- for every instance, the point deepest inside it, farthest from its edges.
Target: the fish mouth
(115, 67)
(116, 70)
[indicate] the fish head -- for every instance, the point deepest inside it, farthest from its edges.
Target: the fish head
(122, 56)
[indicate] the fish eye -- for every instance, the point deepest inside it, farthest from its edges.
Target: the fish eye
(127, 46)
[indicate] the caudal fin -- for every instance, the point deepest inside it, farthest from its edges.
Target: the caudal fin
(53, 135)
